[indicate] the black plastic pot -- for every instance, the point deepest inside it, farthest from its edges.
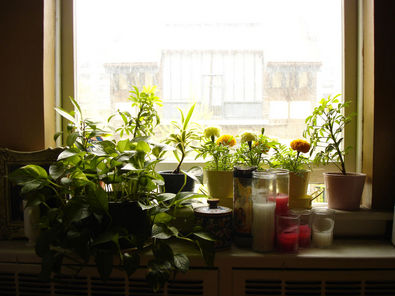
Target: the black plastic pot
(174, 182)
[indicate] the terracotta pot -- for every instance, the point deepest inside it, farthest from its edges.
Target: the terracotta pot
(220, 185)
(298, 184)
(344, 192)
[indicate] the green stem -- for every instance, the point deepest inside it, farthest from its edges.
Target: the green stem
(332, 135)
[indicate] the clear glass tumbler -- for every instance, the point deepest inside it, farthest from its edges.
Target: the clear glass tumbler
(323, 225)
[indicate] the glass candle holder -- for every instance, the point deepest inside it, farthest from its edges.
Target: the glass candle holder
(287, 233)
(281, 196)
(304, 227)
(322, 226)
(263, 218)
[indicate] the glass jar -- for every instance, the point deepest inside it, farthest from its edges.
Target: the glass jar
(263, 218)
(281, 196)
(242, 205)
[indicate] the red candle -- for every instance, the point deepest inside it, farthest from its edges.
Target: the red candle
(281, 203)
(287, 241)
(304, 236)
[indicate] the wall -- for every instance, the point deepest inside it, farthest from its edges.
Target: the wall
(384, 106)
(22, 114)
(21, 75)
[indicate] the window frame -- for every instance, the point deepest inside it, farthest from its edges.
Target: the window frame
(352, 88)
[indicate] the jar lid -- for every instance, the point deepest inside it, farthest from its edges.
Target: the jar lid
(213, 209)
(243, 171)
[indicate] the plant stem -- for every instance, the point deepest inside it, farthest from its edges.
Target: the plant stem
(343, 167)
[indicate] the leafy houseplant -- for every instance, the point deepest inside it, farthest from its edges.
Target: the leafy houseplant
(219, 169)
(325, 128)
(146, 118)
(219, 149)
(253, 149)
(292, 159)
(77, 223)
(181, 140)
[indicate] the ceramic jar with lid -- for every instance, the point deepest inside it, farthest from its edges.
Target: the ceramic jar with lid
(217, 221)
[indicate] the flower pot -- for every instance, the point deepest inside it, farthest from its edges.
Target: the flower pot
(130, 216)
(298, 183)
(220, 185)
(344, 192)
(174, 183)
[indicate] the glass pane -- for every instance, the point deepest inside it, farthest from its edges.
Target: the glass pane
(248, 64)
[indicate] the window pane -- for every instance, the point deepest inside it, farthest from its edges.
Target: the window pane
(248, 64)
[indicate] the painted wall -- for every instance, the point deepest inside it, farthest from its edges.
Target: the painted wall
(21, 75)
(22, 97)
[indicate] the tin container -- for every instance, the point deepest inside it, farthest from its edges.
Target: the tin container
(217, 221)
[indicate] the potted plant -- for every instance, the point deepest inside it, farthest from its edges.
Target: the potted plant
(325, 128)
(77, 223)
(219, 169)
(181, 141)
(292, 159)
(253, 149)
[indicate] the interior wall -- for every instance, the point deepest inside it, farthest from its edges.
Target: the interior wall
(384, 106)
(21, 75)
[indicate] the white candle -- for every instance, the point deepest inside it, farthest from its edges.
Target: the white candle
(322, 239)
(263, 226)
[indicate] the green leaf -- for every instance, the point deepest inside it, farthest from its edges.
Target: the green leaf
(207, 250)
(67, 154)
(105, 237)
(76, 106)
(104, 261)
(143, 147)
(66, 114)
(158, 274)
(162, 251)
(160, 231)
(182, 263)
(205, 236)
(131, 263)
(56, 170)
(163, 218)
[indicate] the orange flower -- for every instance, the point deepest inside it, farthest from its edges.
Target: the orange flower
(226, 140)
(300, 145)
(265, 148)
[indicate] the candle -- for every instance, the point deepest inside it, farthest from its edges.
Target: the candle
(322, 239)
(263, 226)
(281, 203)
(287, 240)
(304, 236)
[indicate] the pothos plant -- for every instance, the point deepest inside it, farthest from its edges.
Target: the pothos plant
(325, 129)
(76, 221)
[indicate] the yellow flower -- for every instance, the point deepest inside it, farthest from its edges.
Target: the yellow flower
(211, 131)
(300, 145)
(248, 137)
(226, 140)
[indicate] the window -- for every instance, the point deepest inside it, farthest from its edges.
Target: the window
(249, 64)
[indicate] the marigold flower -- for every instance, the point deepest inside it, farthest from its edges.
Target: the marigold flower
(211, 131)
(226, 140)
(248, 137)
(300, 145)
(264, 148)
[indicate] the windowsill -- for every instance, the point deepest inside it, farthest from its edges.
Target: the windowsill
(344, 253)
